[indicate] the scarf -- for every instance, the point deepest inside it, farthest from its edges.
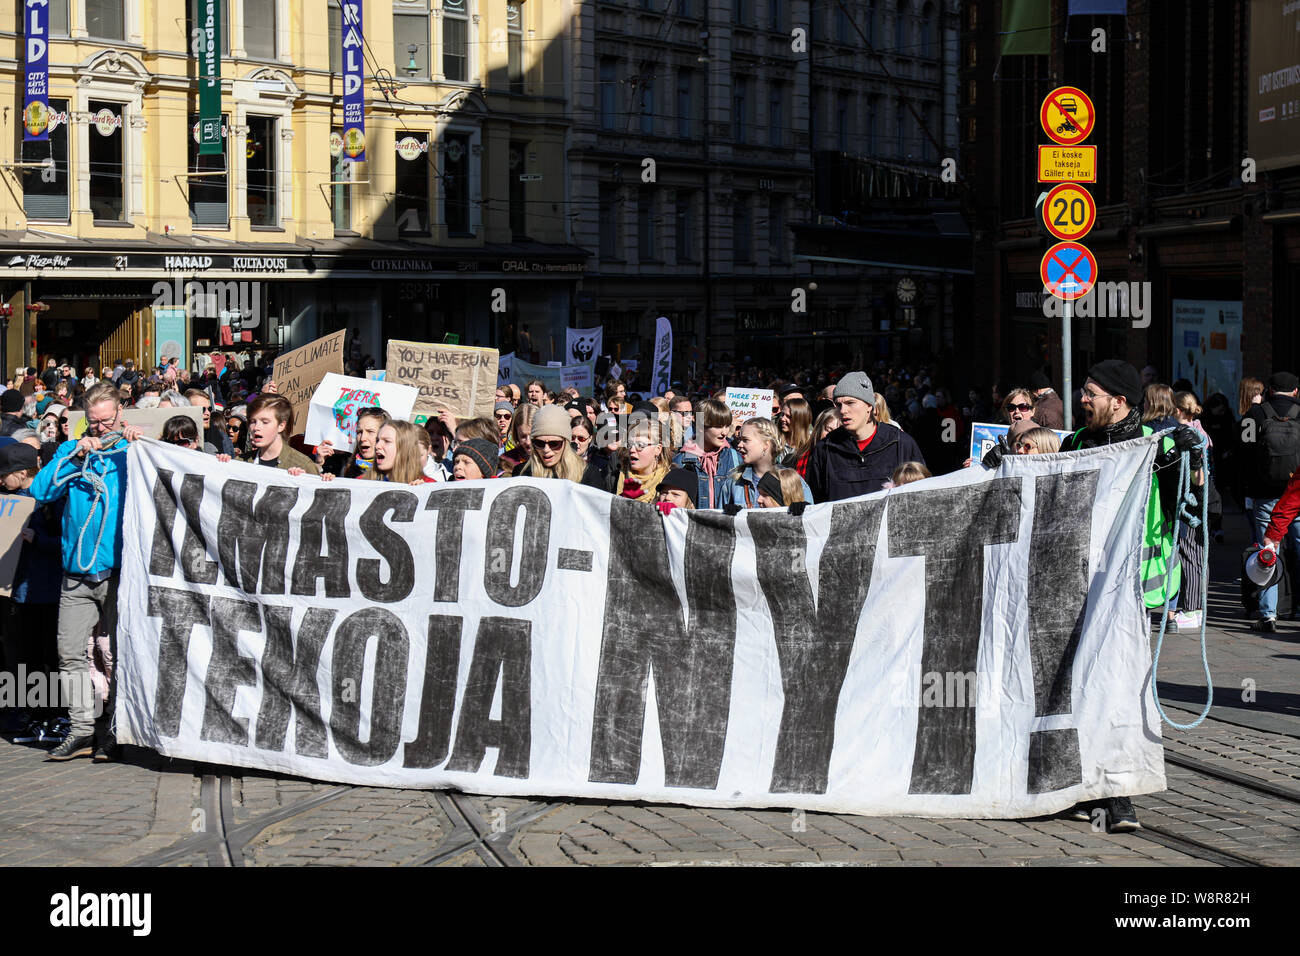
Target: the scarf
(1130, 426)
(709, 465)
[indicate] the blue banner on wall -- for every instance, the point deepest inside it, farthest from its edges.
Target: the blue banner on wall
(36, 97)
(354, 89)
(1080, 8)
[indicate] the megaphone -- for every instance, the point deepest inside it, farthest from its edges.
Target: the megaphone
(1263, 568)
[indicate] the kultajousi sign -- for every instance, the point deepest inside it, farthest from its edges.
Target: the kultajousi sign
(972, 646)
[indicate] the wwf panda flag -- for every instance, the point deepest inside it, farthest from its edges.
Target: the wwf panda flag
(970, 646)
(583, 345)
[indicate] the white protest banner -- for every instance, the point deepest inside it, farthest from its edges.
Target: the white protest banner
(583, 345)
(747, 403)
(297, 373)
(148, 420)
(457, 377)
(15, 511)
(662, 372)
(579, 377)
(332, 414)
(973, 645)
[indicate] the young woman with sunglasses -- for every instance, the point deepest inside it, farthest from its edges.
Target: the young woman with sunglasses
(237, 429)
(552, 455)
(1018, 406)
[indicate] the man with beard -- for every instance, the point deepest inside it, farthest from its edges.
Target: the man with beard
(1110, 397)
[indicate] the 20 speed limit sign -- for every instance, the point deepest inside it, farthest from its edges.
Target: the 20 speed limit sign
(1069, 211)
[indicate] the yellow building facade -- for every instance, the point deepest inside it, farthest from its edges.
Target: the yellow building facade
(457, 224)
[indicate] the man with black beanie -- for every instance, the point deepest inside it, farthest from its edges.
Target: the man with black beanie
(11, 405)
(1270, 434)
(1111, 394)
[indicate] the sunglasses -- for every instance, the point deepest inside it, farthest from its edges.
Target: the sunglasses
(1022, 407)
(1024, 446)
(555, 445)
(233, 427)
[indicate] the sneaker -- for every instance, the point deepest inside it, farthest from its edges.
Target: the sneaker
(52, 732)
(1121, 815)
(1080, 812)
(80, 745)
(31, 734)
(1189, 620)
(106, 750)
(1266, 624)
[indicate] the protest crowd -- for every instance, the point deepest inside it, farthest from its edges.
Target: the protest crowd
(830, 434)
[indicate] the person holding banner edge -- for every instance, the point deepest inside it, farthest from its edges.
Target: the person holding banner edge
(90, 475)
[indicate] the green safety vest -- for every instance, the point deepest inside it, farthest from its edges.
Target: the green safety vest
(1161, 572)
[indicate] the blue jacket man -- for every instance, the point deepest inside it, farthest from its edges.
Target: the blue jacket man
(92, 553)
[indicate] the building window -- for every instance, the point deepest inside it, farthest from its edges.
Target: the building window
(341, 174)
(518, 190)
(609, 213)
(740, 12)
(842, 27)
(107, 169)
(455, 184)
(209, 194)
(455, 40)
(842, 130)
(411, 184)
(899, 149)
(927, 116)
(775, 114)
(927, 31)
(46, 191)
(741, 232)
(609, 93)
(411, 42)
(259, 28)
(685, 227)
(871, 126)
(900, 30)
(515, 44)
(335, 13)
(645, 225)
(740, 108)
(776, 229)
(105, 19)
(646, 87)
(869, 18)
(58, 18)
(262, 188)
(685, 103)
(776, 14)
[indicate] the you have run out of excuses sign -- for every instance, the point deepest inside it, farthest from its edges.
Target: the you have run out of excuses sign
(970, 646)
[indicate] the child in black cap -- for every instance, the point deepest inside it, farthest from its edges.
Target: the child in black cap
(678, 489)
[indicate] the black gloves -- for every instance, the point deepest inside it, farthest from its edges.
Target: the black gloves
(1187, 439)
(994, 456)
(797, 507)
(732, 510)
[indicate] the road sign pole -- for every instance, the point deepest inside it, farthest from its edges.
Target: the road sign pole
(1067, 360)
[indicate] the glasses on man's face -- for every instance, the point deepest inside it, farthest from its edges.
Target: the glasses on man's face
(555, 445)
(1022, 407)
(1093, 395)
(99, 422)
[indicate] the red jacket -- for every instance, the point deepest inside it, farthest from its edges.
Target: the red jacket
(1285, 511)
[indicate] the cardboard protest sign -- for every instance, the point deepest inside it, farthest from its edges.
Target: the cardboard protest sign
(984, 436)
(296, 374)
(457, 377)
(577, 376)
(15, 510)
(747, 403)
(149, 420)
(977, 646)
(332, 412)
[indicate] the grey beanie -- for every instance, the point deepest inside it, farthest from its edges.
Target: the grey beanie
(856, 385)
(503, 406)
(552, 420)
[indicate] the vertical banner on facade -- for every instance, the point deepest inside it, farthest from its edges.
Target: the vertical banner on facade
(1273, 117)
(36, 97)
(207, 45)
(354, 91)
(169, 336)
(661, 374)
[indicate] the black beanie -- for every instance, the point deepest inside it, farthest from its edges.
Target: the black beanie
(770, 485)
(483, 453)
(683, 480)
(1040, 380)
(11, 402)
(1119, 378)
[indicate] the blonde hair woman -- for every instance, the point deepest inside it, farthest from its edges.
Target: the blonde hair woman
(759, 445)
(1038, 441)
(398, 455)
(552, 455)
(647, 463)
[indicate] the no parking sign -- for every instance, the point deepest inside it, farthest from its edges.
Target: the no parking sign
(1068, 270)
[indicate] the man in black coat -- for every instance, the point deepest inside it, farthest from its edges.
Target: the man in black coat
(860, 456)
(1271, 448)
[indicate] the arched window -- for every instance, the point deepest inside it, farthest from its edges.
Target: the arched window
(900, 30)
(926, 48)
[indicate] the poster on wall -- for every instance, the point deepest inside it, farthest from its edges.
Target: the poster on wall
(1207, 345)
(169, 336)
(1273, 117)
